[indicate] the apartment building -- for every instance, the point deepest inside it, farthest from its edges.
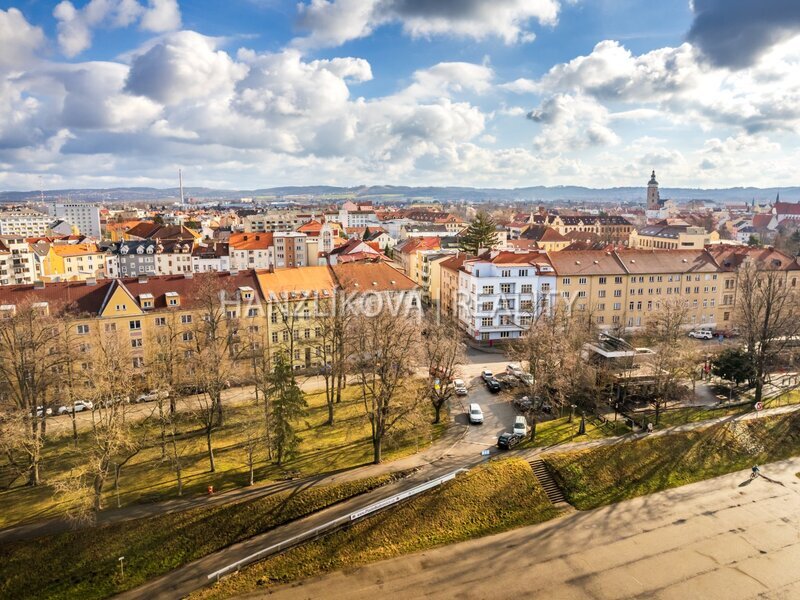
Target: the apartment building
(290, 249)
(279, 220)
(501, 292)
(83, 215)
(211, 257)
(251, 251)
(24, 223)
(71, 262)
(672, 237)
(448, 284)
(18, 263)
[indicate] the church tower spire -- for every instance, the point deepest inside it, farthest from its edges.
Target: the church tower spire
(653, 197)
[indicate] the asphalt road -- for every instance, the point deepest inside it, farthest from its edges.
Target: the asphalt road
(727, 538)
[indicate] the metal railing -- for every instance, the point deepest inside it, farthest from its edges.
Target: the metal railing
(334, 524)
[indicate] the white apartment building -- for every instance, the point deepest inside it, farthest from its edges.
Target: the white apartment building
(358, 218)
(501, 292)
(18, 263)
(24, 222)
(281, 220)
(85, 216)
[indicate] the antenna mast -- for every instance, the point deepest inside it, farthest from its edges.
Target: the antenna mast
(180, 183)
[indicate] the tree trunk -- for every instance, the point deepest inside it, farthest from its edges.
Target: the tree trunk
(533, 427)
(33, 474)
(117, 469)
(250, 464)
(74, 427)
(212, 467)
(98, 492)
(759, 388)
(329, 398)
(218, 402)
(437, 407)
(377, 450)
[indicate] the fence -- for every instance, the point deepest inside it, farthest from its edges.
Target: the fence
(334, 524)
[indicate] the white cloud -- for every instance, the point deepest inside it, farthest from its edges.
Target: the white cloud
(19, 40)
(334, 22)
(161, 16)
(75, 25)
(572, 123)
(183, 66)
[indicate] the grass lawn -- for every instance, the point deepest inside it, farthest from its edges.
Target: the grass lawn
(494, 497)
(786, 399)
(149, 478)
(83, 564)
(561, 431)
(608, 474)
(690, 414)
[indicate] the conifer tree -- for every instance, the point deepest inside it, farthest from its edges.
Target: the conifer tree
(481, 233)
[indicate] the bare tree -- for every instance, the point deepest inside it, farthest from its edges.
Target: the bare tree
(443, 353)
(30, 364)
(213, 339)
(112, 440)
(385, 353)
(334, 347)
(766, 314)
(665, 333)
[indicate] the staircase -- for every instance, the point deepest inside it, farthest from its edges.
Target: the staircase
(549, 484)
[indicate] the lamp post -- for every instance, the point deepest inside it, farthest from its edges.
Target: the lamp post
(582, 426)
(572, 408)
(121, 560)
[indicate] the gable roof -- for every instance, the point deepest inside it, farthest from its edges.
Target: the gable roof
(378, 276)
(311, 280)
(250, 241)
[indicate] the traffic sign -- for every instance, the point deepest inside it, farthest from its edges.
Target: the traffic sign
(759, 406)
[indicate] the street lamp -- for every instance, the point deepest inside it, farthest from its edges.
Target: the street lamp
(121, 560)
(572, 408)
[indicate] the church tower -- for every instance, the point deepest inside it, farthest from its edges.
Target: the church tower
(653, 199)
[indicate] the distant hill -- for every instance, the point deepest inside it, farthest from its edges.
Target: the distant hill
(449, 194)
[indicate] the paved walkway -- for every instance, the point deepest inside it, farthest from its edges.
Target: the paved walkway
(727, 538)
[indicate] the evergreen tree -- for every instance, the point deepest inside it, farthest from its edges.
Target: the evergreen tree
(734, 365)
(481, 233)
(288, 405)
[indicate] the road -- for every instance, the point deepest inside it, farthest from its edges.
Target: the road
(726, 538)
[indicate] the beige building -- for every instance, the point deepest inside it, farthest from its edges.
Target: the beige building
(672, 237)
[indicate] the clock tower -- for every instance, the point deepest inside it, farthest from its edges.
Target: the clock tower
(653, 198)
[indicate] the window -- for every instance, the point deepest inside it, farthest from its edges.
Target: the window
(186, 319)
(273, 317)
(617, 280)
(582, 294)
(83, 329)
(136, 343)
(487, 322)
(307, 333)
(617, 293)
(110, 327)
(565, 281)
(565, 295)
(602, 280)
(138, 362)
(506, 288)
(172, 301)
(488, 289)
(505, 273)
(188, 336)
(582, 280)
(617, 306)
(317, 331)
(160, 321)
(523, 272)
(285, 335)
(135, 325)
(230, 314)
(122, 307)
(545, 288)
(526, 305)
(631, 305)
(505, 320)
(274, 337)
(487, 306)
(601, 319)
(527, 288)
(505, 334)
(601, 293)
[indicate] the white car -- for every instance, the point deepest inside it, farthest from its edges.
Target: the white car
(460, 387)
(526, 378)
(486, 374)
(702, 334)
(77, 406)
(475, 414)
(515, 370)
(521, 425)
(152, 396)
(42, 411)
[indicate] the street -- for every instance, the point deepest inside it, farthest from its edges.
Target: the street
(727, 538)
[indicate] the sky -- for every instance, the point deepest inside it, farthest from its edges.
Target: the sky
(246, 94)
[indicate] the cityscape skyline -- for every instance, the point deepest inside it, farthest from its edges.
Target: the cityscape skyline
(547, 92)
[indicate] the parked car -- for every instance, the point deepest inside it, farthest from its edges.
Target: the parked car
(493, 385)
(514, 370)
(507, 440)
(460, 387)
(507, 381)
(41, 411)
(152, 396)
(77, 406)
(486, 374)
(701, 334)
(475, 414)
(521, 425)
(526, 378)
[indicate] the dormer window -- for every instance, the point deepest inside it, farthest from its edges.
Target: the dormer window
(140, 250)
(173, 299)
(150, 249)
(246, 292)
(146, 300)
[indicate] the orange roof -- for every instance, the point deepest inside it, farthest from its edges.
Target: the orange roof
(371, 276)
(313, 227)
(75, 249)
(306, 279)
(250, 241)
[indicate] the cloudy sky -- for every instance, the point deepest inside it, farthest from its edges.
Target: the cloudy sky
(256, 93)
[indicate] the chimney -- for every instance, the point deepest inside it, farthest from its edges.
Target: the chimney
(142, 278)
